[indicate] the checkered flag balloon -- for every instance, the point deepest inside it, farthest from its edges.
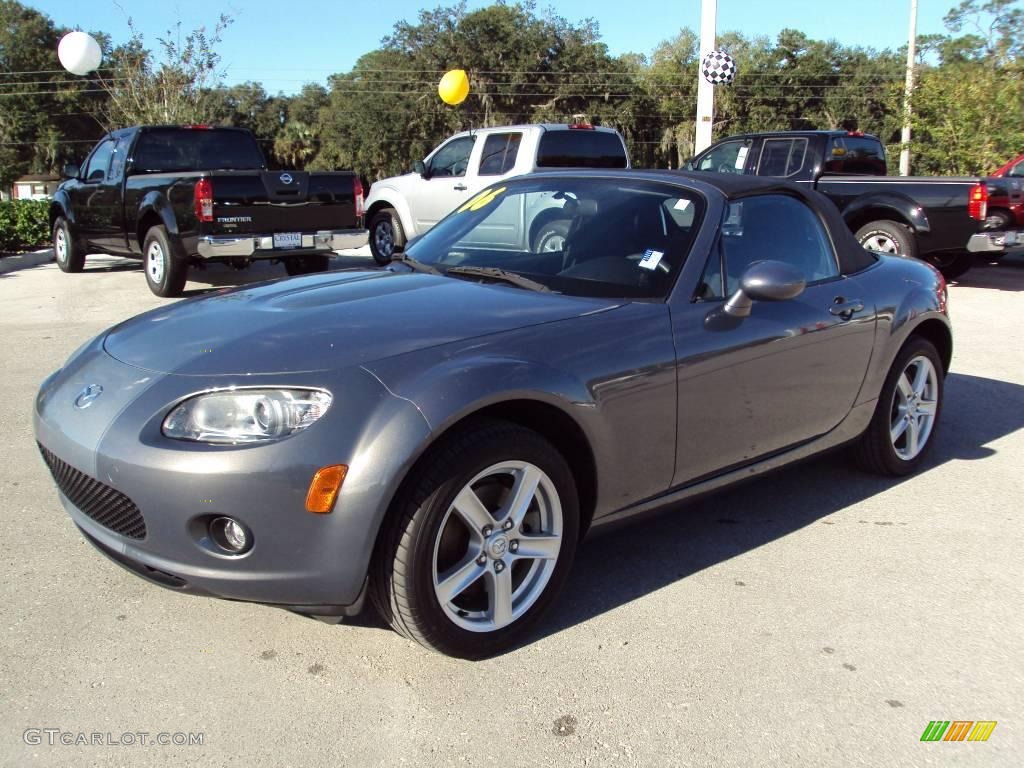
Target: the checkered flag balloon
(719, 68)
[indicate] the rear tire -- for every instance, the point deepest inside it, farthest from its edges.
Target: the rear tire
(306, 265)
(888, 237)
(386, 235)
(165, 274)
(877, 450)
(998, 221)
(69, 252)
(455, 532)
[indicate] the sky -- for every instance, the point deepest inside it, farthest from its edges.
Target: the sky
(284, 44)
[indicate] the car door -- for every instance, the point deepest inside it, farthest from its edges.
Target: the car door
(96, 198)
(450, 180)
(788, 372)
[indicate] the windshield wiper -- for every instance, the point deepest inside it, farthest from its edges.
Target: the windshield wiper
(501, 275)
(415, 266)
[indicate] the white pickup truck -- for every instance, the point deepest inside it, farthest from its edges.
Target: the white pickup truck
(402, 207)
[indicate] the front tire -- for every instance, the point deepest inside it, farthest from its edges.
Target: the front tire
(165, 275)
(68, 251)
(902, 429)
(479, 543)
(386, 235)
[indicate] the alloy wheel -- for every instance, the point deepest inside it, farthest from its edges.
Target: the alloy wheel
(497, 546)
(384, 238)
(914, 408)
(879, 241)
(60, 245)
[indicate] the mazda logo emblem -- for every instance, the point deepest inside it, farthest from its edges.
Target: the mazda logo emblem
(286, 178)
(88, 395)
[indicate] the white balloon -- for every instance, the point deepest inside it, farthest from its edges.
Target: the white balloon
(79, 53)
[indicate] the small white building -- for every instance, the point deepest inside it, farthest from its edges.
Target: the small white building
(39, 186)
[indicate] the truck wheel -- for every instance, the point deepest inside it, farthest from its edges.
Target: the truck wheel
(306, 265)
(386, 235)
(479, 543)
(550, 237)
(998, 221)
(165, 274)
(888, 237)
(69, 252)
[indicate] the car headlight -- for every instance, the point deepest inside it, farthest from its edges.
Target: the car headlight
(246, 415)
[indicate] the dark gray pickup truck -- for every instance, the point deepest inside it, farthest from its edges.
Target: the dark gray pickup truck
(179, 195)
(934, 218)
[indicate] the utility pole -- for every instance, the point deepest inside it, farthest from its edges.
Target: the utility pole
(908, 91)
(705, 90)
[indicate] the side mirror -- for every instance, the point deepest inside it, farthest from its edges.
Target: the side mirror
(765, 281)
(689, 165)
(69, 171)
(421, 169)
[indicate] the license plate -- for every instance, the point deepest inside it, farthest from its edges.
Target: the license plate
(288, 240)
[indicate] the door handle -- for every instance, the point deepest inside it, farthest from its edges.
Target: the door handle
(845, 308)
(460, 187)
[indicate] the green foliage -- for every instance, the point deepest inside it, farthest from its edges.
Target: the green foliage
(24, 224)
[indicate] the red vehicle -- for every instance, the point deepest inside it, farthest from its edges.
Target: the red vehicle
(1005, 201)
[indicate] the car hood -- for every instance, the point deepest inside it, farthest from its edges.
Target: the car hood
(327, 321)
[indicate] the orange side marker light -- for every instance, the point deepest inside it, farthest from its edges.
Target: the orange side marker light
(324, 489)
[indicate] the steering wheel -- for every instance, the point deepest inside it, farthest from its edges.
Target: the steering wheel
(727, 168)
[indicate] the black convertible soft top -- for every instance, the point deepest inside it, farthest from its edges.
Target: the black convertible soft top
(851, 255)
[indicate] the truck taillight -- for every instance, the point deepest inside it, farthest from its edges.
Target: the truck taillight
(977, 203)
(204, 200)
(357, 194)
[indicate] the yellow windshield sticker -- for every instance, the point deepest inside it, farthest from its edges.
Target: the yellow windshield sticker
(485, 198)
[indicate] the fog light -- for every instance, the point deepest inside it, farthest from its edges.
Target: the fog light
(230, 535)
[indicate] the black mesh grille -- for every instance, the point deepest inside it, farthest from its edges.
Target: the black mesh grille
(108, 507)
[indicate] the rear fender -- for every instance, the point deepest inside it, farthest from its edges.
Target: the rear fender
(886, 205)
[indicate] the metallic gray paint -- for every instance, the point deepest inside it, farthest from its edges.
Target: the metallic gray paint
(668, 407)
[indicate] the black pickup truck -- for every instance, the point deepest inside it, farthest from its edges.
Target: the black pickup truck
(934, 218)
(177, 195)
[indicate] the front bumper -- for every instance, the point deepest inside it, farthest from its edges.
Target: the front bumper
(113, 457)
(262, 246)
(994, 242)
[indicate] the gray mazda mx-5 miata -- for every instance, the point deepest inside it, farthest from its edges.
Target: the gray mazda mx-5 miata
(564, 350)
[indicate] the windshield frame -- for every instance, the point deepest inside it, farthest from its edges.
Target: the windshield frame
(422, 248)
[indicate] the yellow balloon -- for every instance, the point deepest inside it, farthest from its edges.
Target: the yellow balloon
(454, 87)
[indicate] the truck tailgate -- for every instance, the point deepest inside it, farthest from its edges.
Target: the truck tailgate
(269, 202)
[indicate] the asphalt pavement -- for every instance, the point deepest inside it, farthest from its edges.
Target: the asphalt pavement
(815, 617)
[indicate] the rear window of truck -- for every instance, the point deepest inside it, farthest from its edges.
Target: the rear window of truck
(855, 154)
(581, 148)
(179, 149)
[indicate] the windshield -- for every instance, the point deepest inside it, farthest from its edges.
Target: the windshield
(577, 236)
(166, 150)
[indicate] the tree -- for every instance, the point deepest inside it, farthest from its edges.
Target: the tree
(47, 116)
(143, 88)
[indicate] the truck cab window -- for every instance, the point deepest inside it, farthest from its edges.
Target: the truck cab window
(99, 161)
(453, 158)
(499, 155)
(728, 157)
(782, 157)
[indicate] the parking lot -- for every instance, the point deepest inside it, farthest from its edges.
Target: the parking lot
(816, 617)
